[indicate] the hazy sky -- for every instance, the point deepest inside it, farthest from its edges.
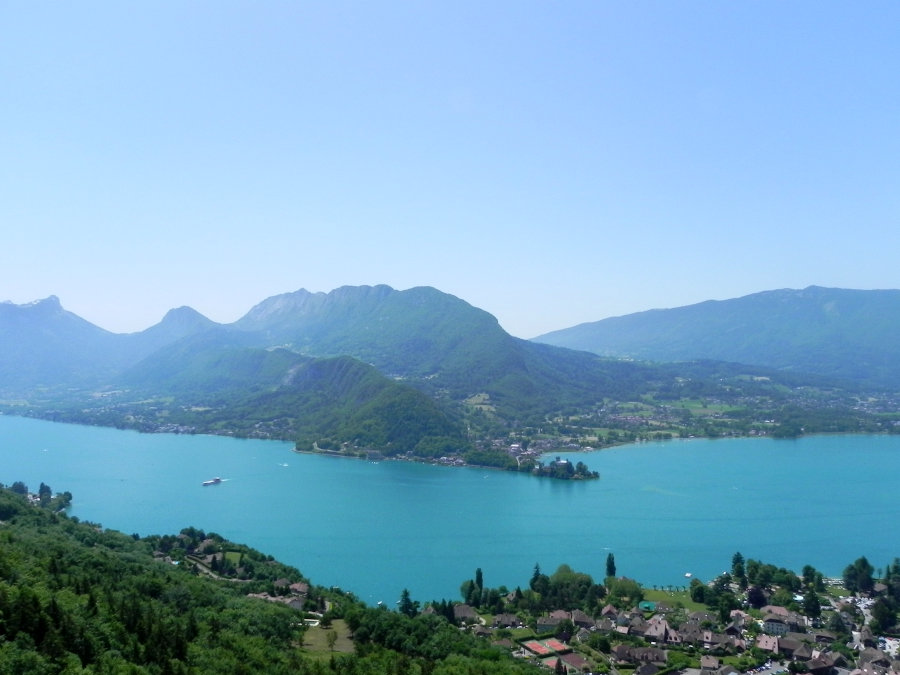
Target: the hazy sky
(549, 162)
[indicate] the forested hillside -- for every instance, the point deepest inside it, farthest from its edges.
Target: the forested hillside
(76, 598)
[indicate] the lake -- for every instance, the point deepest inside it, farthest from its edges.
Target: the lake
(663, 509)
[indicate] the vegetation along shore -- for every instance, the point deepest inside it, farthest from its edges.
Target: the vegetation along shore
(78, 598)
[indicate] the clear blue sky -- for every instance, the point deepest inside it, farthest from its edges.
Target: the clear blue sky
(549, 162)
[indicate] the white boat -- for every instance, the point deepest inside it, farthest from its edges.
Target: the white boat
(212, 481)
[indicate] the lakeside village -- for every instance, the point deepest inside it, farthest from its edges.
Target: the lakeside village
(757, 619)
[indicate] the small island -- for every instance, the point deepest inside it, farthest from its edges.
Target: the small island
(515, 457)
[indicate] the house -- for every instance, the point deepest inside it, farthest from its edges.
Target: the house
(657, 631)
(646, 669)
(605, 625)
(581, 619)
(464, 613)
(481, 631)
(767, 643)
(576, 662)
(713, 640)
(621, 654)
(775, 624)
(506, 621)
(823, 637)
(547, 624)
(825, 663)
(674, 638)
(299, 588)
(649, 655)
(609, 612)
(794, 649)
(735, 628)
(875, 657)
(867, 637)
(691, 633)
(708, 663)
(703, 617)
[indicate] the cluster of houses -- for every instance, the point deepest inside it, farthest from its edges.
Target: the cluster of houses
(785, 635)
(292, 594)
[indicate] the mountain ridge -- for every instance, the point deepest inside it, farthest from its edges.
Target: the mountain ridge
(844, 333)
(417, 359)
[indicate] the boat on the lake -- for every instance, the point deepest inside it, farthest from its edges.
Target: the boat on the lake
(212, 481)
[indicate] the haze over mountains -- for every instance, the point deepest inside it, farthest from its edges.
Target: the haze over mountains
(391, 368)
(850, 334)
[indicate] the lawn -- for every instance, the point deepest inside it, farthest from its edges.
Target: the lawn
(315, 639)
(675, 599)
(234, 557)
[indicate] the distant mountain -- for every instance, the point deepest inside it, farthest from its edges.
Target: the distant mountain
(849, 334)
(440, 343)
(43, 346)
(375, 367)
(176, 324)
(415, 333)
(427, 345)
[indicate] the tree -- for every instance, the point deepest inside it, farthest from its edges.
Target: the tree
(565, 629)
(756, 597)
(727, 602)
(479, 579)
(811, 605)
(753, 568)
(882, 615)
(698, 591)
(467, 589)
(45, 494)
(836, 624)
(737, 570)
(407, 605)
(858, 576)
(331, 639)
(809, 575)
(610, 565)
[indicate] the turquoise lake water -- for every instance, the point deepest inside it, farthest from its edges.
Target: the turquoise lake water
(663, 509)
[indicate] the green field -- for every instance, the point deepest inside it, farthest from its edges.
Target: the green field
(674, 599)
(315, 640)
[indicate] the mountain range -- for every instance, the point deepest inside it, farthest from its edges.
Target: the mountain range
(419, 371)
(848, 334)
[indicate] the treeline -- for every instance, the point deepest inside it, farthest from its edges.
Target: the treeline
(564, 589)
(761, 584)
